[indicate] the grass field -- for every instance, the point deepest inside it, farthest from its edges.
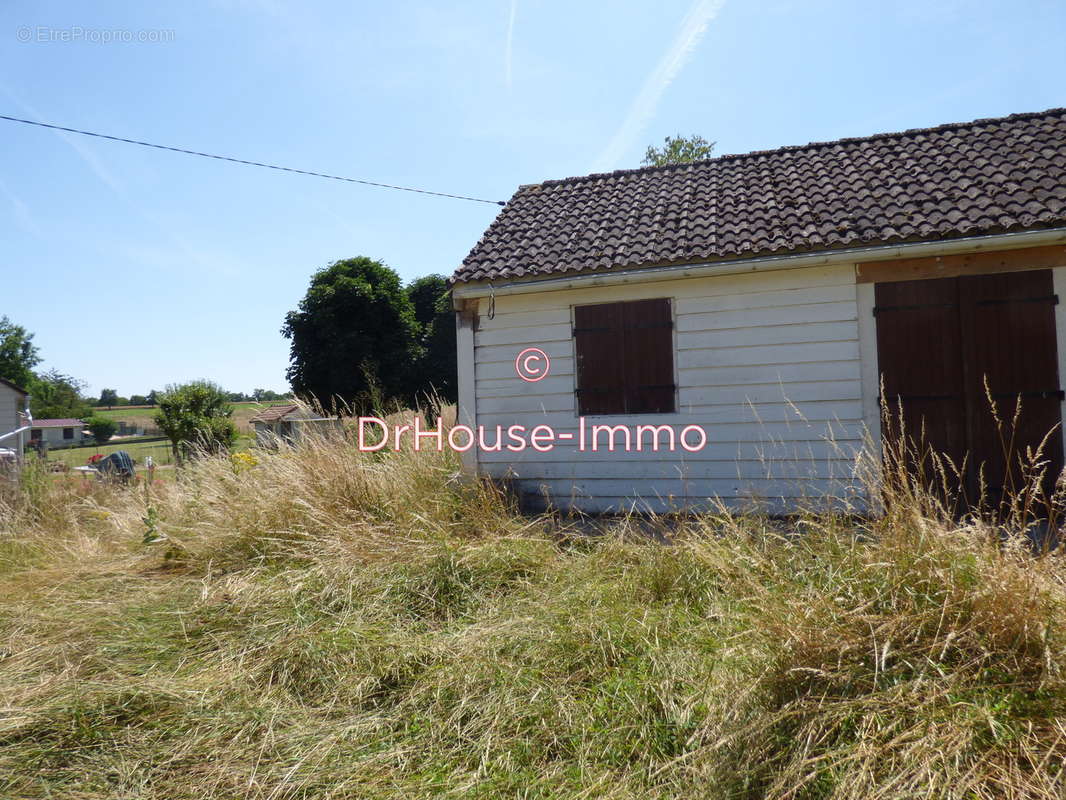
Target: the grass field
(125, 413)
(334, 624)
(78, 456)
(159, 450)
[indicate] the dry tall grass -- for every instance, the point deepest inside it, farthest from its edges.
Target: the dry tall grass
(324, 623)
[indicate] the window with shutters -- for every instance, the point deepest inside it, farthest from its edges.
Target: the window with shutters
(625, 358)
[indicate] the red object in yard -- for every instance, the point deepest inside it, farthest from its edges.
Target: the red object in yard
(93, 459)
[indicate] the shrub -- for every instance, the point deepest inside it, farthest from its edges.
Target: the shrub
(101, 428)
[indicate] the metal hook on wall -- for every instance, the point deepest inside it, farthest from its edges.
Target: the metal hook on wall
(492, 303)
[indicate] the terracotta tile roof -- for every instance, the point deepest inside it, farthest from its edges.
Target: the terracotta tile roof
(57, 423)
(964, 179)
(273, 413)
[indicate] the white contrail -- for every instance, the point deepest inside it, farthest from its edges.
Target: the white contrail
(87, 155)
(104, 174)
(510, 40)
(641, 112)
(22, 212)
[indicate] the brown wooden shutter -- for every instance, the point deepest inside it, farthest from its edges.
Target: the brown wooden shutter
(649, 357)
(598, 347)
(625, 357)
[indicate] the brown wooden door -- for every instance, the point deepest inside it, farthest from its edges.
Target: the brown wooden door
(941, 342)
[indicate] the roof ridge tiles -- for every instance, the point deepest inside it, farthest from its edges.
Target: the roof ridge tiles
(794, 148)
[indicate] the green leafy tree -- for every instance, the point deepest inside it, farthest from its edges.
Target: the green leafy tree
(54, 395)
(425, 293)
(354, 329)
(265, 395)
(18, 354)
(194, 416)
(152, 397)
(678, 150)
(101, 428)
(435, 373)
(108, 397)
(138, 400)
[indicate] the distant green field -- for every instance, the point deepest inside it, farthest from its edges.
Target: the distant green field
(242, 412)
(125, 413)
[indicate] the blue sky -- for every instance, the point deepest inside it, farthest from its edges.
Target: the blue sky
(136, 268)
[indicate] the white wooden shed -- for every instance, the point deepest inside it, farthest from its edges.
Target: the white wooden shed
(739, 294)
(14, 421)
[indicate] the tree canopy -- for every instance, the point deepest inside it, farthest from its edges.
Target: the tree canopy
(353, 335)
(102, 428)
(54, 395)
(425, 293)
(436, 366)
(678, 150)
(18, 354)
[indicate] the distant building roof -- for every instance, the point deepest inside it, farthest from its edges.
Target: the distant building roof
(10, 385)
(56, 423)
(293, 412)
(274, 413)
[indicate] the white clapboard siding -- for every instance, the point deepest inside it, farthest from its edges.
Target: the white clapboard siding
(547, 332)
(767, 364)
(715, 420)
(692, 398)
(690, 471)
(674, 493)
(562, 416)
(841, 498)
(761, 450)
(512, 386)
(717, 286)
(774, 299)
(530, 404)
(724, 356)
(756, 317)
(789, 333)
(10, 405)
(770, 373)
(506, 369)
(506, 353)
(780, 452)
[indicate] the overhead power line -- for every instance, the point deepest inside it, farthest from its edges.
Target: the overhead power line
(251, 163)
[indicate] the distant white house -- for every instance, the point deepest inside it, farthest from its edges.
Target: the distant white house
(13, 419)
(58, 432)
(288, 423)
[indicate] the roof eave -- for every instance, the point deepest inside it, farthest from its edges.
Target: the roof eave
(642, 273)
